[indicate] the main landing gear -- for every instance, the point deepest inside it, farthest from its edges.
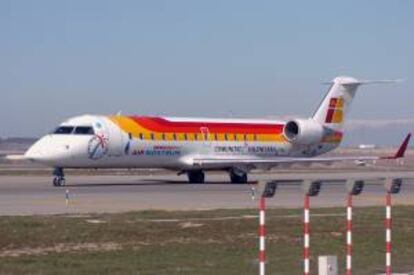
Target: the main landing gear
(238, 176)
(59, 177)
(196, 176)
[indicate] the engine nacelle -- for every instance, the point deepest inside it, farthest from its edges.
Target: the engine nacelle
(303, 131)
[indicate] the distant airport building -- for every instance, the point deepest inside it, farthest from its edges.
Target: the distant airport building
(367, 146)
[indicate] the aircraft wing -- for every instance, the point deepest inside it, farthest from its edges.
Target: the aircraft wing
(256, 162)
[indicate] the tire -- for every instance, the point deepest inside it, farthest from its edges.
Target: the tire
(55, 181)
(234, 178)
(196, 176)
(58, 182)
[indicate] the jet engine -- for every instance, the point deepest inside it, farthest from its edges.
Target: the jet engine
(303, 131)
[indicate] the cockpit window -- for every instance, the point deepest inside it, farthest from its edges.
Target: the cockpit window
(63, 130)
(84, 130)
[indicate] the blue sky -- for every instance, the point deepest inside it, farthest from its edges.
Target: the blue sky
(198, 58)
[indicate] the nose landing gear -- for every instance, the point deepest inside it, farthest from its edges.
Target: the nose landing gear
(59, 177)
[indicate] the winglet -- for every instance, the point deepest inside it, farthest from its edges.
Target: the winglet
(401, 151)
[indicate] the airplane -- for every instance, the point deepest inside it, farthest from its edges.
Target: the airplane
(195, 145)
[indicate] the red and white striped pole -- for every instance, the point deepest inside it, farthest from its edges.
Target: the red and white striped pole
(262, 235)
(349, 236)
(388, 224)
(306, 219)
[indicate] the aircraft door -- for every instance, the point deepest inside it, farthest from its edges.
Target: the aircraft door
(115, 140)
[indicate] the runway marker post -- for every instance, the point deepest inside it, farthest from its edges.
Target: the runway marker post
(306, 238)
(253, 193)
(67, 197)
(311, 189)
(388, 225)
(355, 188)
(392, 186)
(268, 191)
(262, 236)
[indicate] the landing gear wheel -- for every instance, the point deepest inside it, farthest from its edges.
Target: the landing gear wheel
(59, 179)
(195, 176)
(236, 178)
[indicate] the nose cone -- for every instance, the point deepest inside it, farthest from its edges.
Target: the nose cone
(47, 151)
(33, 153)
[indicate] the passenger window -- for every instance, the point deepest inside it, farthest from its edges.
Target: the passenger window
(185, 136)
(245, 137)
(235, 137)
(215, 137)
(195, 137)
(63, 130)
(226, 137)
(141, 136)
(175, 136)
(152, 136)
(255, 137)
(163, 136)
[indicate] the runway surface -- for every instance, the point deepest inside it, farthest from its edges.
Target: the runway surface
(26, 195)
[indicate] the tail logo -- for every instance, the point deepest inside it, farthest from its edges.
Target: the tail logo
(335, 110)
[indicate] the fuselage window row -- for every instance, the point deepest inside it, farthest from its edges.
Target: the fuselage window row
(195, 137)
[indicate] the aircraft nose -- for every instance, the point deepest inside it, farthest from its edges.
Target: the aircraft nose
(46, 151)
(38, 152)
(34, 153)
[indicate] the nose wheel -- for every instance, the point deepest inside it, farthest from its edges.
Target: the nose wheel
(59, 177)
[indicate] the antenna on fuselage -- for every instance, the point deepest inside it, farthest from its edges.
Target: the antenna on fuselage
(230, 113)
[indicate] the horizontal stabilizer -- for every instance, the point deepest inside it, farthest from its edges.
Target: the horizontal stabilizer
(354, 81)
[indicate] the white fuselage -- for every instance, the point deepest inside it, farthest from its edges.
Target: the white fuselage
(111, 146)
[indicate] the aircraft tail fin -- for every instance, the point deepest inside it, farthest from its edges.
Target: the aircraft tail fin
(401, 150)
(336, 104)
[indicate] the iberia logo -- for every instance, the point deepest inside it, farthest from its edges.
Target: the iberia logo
(97, 147)
(335, 110)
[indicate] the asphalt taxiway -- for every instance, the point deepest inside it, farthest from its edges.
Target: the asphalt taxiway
(27, 195)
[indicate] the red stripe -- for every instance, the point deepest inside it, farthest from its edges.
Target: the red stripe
(307, 202)
(388, 247)
(349, 196)
(349, 249)
(388, 199)
(306, 253)
(306, 228)
(262, 256)
(262, 203)
(349, 226)
(329, 115)
(388, 223)
(158, 124)
(332, 102)
(262, 231)
(388, 270)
